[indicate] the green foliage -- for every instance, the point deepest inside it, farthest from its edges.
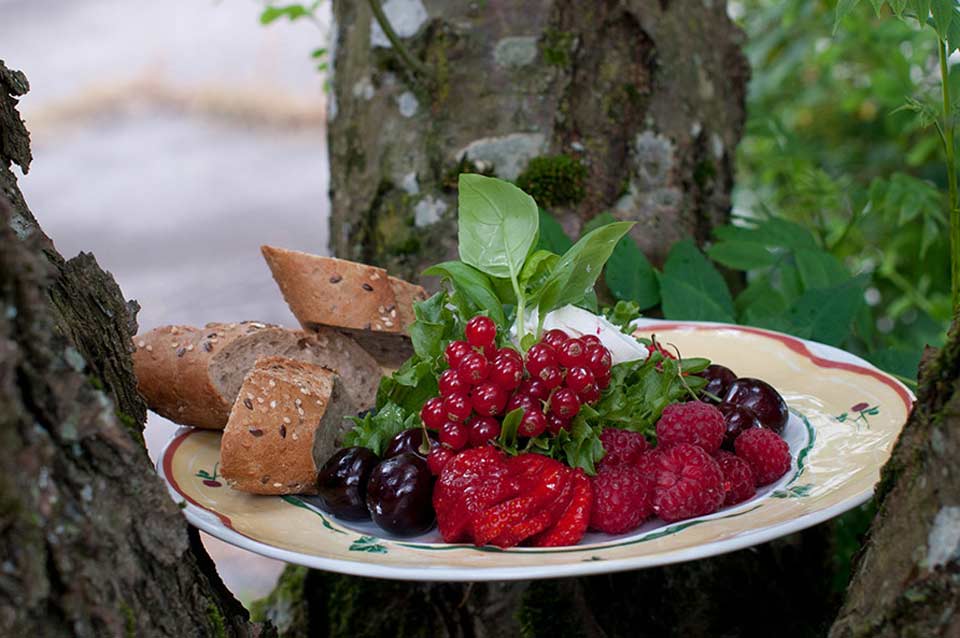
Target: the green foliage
(294, 12)
(375, 429)
(554, 180)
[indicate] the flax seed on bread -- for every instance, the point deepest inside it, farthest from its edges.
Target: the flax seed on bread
(285, 423)
(192, 375)
(360, 300)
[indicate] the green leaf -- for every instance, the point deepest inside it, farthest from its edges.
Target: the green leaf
(552, 235)
(536, 270)
(843, 8)
(899, 361)
(475, 287)
(622, 314)
(318, 53)
(742, 255)
(427, 332)
(629, 275)
(819, 269)
(773, 232)
(692, 288)
(509, 428)
(827, 314)
(498, 225)
(761, 305)
(878, 5)
(290, 11)
(943, 12)
(575, 274)
(581, 444)
(374, 431)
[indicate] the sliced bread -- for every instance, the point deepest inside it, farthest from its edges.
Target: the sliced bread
(360, 300)
(192, 375)
(284, 425)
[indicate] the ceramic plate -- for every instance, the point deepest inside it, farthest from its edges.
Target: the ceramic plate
(845, 418)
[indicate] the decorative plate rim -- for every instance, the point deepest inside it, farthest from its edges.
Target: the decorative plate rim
(220, 525)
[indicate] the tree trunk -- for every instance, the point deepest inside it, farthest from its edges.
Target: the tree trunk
(92, 545)
(906, 582)
(646, 95)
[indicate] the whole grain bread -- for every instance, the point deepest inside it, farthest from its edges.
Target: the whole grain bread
(360, 300)
(285, 423)
(192, 375)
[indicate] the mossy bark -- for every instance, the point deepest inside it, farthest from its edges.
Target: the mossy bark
(648, 95)
(91, 543)
(906, 582)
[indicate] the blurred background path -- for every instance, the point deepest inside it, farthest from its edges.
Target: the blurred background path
(172, 139)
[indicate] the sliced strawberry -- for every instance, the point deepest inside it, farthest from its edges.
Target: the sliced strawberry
(573, 520)
(498, 520)
(540, 477)
(519, 532)
(470, 482)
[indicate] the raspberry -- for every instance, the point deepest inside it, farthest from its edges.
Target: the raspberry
(470, 482)
(765, 452)
(647, 462)
(621, 499)
(622, 446)
(694, 422)
(573, 521)
(737, 478)
(689, 483)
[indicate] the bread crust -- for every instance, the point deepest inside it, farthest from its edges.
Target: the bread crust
(285, 413)
(326, 291)
(175, 366)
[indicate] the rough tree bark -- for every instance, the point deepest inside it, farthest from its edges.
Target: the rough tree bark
(906, 582)
(646, 95)
(92, 545)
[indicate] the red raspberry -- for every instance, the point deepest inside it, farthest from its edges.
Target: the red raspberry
(573, 521)
(622, 446)
(694, 422)
(470, 483)
(765, 452)
(737, 478)
(689, 483)
(647, 463)
(621, 499)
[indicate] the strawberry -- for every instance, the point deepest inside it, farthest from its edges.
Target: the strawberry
(470, 482)
(570, 527)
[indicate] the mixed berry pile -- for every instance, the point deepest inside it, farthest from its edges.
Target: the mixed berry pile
(710, 452)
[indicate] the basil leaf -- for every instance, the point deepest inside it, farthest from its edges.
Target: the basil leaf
(475, 287)
(508, 430)
(498, 225)
(537, 270)
(576, 272)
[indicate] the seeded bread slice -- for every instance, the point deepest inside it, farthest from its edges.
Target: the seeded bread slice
(360, 300)
(285, 423)
(192, 375)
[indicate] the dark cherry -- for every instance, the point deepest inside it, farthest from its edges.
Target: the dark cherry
(343, 480)
(718, 379)
(738, 420)
(409, 441)
(400, 494)
(762, 398)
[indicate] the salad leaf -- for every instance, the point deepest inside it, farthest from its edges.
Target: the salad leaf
(474, 287)
(410, 386)
(623, 314)
(575, 274)
(581, 445)
(508, 430)
(431, 325)
(375, 429)
(498, 223)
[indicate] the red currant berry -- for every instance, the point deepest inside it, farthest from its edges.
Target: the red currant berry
(489, 399)
(456, 407)
(603, 378)
(473, 369)
(524, 401)
(599, 359)
(564, 403)
(555, 424)
(450, 383)
(455, 352)
(438, 458)
(482, 430)
(481, 332)
(433, 413)
(551, 376)
(579, 378)
(591, 341)
(590, 394)
(508, 352)
(572, 353)
(507, 373)
(535, 388)
(554, 338)
(539, 357)
(532, 424)
(454, 435)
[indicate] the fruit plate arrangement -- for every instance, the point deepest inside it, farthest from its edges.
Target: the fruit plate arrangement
(844, 417)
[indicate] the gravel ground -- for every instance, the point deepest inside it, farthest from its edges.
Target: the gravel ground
(172, 139)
